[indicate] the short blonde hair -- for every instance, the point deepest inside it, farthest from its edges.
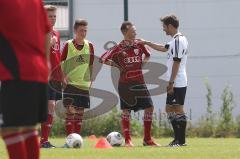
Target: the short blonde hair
(50, 8)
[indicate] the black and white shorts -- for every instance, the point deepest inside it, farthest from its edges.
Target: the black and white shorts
(76, 97)
(22, 103)
(134, 96)
(178, 97)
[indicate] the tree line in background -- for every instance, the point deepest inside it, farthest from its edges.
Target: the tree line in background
(220, 124)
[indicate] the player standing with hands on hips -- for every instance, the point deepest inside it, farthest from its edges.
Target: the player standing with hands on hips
(177, 50)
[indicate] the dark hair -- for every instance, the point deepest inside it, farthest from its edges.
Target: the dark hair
(80, 22)
(170, 19)
(125, 26)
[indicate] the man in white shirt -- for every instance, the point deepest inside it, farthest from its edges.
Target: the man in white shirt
(177, 57)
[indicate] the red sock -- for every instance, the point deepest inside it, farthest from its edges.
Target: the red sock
(15, 146)
(78, 117)
(46, 127)
(32, 144)
(126, 126)
(69, 123)
(147, 119)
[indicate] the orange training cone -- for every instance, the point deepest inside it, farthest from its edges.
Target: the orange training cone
(103, 144)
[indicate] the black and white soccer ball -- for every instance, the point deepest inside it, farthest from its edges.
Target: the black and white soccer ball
(115, 138)
(74, 140)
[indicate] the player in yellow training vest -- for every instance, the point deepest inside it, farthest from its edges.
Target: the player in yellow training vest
(77, 61)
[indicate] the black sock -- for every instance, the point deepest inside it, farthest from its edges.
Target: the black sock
(175, 129)
(182, 123)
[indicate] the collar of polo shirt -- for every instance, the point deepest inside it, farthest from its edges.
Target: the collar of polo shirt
(178, 33)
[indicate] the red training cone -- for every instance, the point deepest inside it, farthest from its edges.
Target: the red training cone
(103, 144)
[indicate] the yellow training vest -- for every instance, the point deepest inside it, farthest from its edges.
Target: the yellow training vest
(77, 66)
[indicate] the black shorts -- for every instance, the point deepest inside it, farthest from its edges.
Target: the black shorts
(76, 97)
(54, 90)
(22, 103)
(178, 97)
(134, 96)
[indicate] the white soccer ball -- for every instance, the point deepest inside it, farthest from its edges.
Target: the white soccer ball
(60, 110)
(74, 141)
(115, 138)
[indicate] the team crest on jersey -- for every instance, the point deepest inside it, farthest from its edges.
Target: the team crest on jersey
(136, 51)
(56, 47)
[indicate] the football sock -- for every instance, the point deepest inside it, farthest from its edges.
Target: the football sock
(32, 144)
(175, 129)
(147, 119)
(172, 119)
(78, 117)
(182, 122)
(69, 123)
(126, 126)
(45, 128)
(15, 146)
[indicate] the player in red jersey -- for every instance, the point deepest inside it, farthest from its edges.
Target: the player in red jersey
(77, 57)
(55, 77)
(134, 95)
(24, 49)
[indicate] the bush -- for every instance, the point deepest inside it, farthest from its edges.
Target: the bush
(226, 126)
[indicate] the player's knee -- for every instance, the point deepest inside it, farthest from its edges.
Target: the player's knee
(126, 115)
(9, 131)
(126, 112)
(171, 116)
(169, 108)
(149, 109)
(79, 110)
(179, 109)
(69, 115)
(148, 116)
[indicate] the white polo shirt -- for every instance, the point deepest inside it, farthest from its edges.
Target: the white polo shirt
(177, 50)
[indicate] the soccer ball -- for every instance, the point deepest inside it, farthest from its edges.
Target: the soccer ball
(115, 139)
(60, 110)
(74, 141)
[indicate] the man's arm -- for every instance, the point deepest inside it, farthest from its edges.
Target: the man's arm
(64, 52)
(175, 68)
(146, 53)
(107, 57)
(158, 47)
(91, 61)
(47, 48)
(109, 62)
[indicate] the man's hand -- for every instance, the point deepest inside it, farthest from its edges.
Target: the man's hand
(53, 40)
(64, 82)
(143, 42)
(170, 90)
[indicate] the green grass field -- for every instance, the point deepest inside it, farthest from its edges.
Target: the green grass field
(198, 148)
